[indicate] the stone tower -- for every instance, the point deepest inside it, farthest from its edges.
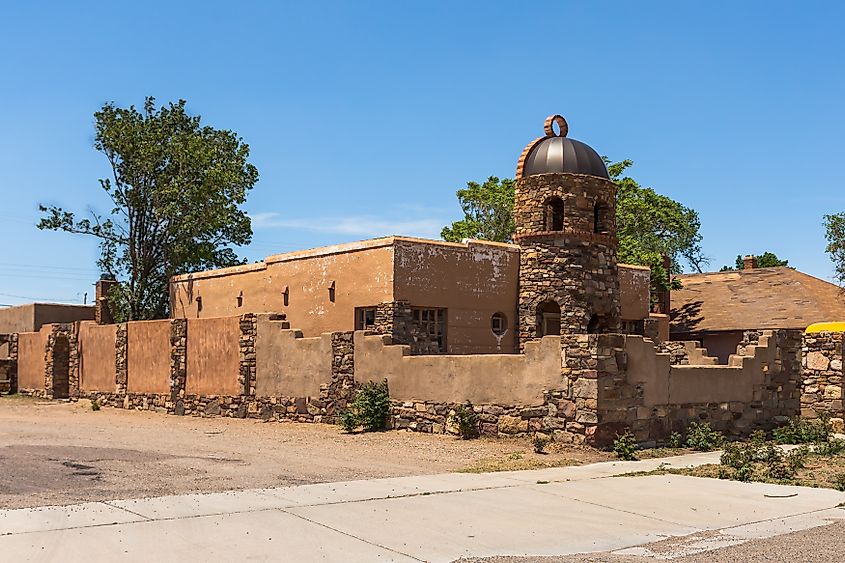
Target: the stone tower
(565, 214)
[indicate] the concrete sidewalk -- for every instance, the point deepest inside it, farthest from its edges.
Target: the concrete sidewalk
(432, 518)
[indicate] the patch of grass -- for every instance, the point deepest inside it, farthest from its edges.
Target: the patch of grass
(758, 460)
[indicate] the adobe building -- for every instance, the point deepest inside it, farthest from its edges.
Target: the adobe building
(717, 308)
(560, 276)
(32, 316)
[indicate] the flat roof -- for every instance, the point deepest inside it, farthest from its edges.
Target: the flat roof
(357, 246)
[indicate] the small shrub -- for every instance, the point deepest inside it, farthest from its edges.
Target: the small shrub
(369, 409)
(839, 482)
(830, 448)
(348, 421)
(676, 440)
(625, 446)
(804, 431)
(539, 443)
(466, 420)
(95, 406)
(702, 438)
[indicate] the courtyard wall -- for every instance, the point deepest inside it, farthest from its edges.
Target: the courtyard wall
(572, 388)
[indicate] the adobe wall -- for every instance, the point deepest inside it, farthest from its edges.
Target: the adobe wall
(50, 313)
(212, 356)
(148, 357)
(634, 288)
(509, 379)
(473, 281)
(96, 357)
(288, 365)
(20, 318)
(363, 276)
(823, 390)
(31, 351)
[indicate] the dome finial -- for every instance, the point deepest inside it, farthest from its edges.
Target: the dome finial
(548, 126)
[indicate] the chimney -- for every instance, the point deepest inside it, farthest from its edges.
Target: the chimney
(102, 313)
(749, 262)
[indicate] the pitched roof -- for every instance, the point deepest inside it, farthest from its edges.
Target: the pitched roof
(758, 298)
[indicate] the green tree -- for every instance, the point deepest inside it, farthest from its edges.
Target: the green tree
(834, 226)
(488, 212)
(765, 260)
(176, 188)
(649, 225)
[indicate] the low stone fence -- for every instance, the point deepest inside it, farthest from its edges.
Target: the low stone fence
(573, 388)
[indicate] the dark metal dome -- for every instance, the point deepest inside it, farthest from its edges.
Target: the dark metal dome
(558, 153)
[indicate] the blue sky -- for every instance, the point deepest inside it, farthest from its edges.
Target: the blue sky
(364, 118)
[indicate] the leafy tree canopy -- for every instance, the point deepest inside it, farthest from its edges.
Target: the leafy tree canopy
(176, 187)
(834, 226)
(765, 260)
(488, 212)
(649, 225)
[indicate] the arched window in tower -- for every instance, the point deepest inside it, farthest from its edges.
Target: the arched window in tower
(601, 218)
(554, 214)
(548, 319)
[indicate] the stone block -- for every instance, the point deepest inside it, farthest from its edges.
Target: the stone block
(817, 361)
(512, 424)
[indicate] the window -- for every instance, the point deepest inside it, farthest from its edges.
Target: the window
(548, 319)
(430, 324)
(365, 318)
(554, 214)
(499, 324)
(601, 219)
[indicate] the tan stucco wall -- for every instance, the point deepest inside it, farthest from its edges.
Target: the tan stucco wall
(148, 357)
(507, 379)
(213, 357)
(31, 348)
(288, 365)
(721, 345)
(97, 357)
(634, 289)
(664, 384)
(363, 276)
(17, 319)
(472, 281)
(57, 313)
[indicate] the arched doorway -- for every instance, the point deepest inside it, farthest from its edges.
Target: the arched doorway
(61, 367)
(548, 319)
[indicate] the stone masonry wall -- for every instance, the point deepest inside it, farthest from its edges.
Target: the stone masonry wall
(395, 319)
(772, 401)
(9, 366)
(822, 390)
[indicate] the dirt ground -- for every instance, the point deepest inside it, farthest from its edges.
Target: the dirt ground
(819, 545)
(62, 453)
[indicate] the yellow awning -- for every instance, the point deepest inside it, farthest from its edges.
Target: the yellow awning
(826, 327)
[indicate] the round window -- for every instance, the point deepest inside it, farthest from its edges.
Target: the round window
(499, 324)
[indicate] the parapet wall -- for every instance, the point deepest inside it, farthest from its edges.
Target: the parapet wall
(573, 388)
